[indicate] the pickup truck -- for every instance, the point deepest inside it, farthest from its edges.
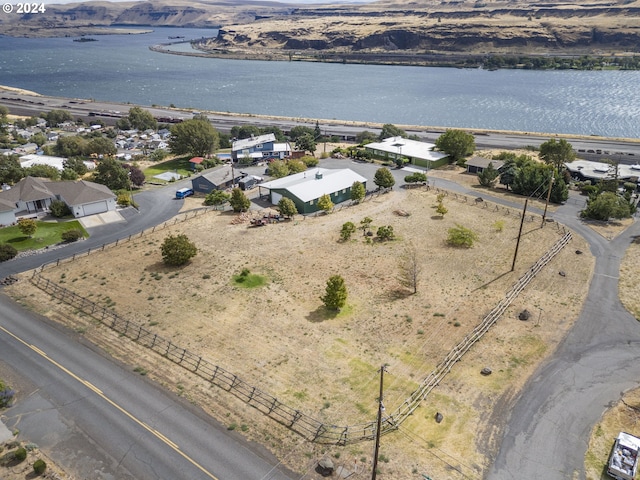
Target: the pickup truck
(623, 462)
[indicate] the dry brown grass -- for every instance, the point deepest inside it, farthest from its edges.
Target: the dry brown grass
(280, 338)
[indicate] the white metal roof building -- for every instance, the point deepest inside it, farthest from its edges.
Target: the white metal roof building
(587, 170)
(418, 153)
(307, 187)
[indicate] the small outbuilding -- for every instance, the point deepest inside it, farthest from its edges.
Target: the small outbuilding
(478, 164)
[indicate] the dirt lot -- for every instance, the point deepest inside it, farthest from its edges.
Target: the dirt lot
(280, 337)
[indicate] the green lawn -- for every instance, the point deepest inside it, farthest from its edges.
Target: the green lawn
(180, 165)
(48, 233)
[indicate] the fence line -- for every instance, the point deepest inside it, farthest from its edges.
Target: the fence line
(306, 426)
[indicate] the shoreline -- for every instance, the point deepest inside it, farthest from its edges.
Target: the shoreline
(337, 122)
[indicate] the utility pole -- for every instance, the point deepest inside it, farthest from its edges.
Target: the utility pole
(515, 255)
(544, 215)
(379, 425)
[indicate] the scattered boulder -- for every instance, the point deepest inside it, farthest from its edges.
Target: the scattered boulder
(325, 467)
(524, 315)
(562, 274)
(486, 371)
(438, 417)
(578, 252)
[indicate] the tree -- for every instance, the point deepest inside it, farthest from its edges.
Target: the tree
(42, 171)
(112, 174)
(278, 169)
(306, 143)
(299, 131)
(417, 177)
(325, 203)
(239, 201)
(39, 139)
(177, 250)
(71, 146)
(245, 131)
(557, 153)
(216, 198)
(347, 230)
(27, 226)
(4, 111)
(457, 144)
(385, 233)
(195, 137)
(383, 178)
(508, 173)
(10, 169)
(389, 130)
(365, 137)
(56, 117)
(7, 252)
(559, 191)
(441, 209)
(68, 174)
(358, 192)
(296, 166)
(335, 295)
(287, 207)
(141, 119)
(101, 146)
(76, 164)
(410, 269)
(488, 176)
(607, 205)
(365, 225)
(59, 209)
(460, 236)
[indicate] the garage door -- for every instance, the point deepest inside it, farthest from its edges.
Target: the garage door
(97, 207)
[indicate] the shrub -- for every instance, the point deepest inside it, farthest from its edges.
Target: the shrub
(39, 466)
(6, 395)
(124, 199)
(71, 236)
(21, 454)
(335, 295)
(59, 209)
(460, 236)
(177, 250)
(7, 252)
(385, 233)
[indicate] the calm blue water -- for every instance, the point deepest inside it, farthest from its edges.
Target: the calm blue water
(122, 68)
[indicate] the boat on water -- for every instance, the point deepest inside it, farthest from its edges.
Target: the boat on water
(177, 36)
(85, 39)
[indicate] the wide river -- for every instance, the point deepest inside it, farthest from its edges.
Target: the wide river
(122, 68)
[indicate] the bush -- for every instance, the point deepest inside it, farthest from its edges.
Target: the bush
(59, 209)
(6, 395)
(21, 454)
(39, 467)
(460, 236)
(177, 250)
(71, 236)
(7, 252)
(124, 199)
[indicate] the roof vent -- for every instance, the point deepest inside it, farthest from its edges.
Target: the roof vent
(318, 175)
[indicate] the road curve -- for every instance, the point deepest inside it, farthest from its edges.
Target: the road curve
(548, 429)
(102, 421)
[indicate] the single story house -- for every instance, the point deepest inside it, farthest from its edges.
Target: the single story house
(218, 178)
(262, 147)
(596, 171)
(478, 164)
(305, 188)
(34, 195)
(418, 153)
(7, 209)
(34, 159)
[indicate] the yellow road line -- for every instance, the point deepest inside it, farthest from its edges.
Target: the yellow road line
(98, 392)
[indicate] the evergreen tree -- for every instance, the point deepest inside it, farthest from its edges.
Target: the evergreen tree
(335, 295)
(239, 201)
(383, 178)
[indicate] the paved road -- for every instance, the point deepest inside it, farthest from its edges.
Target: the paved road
(549, 428)
(118, 426)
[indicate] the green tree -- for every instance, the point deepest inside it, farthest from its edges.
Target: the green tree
(383, 178)
(4, 112)
(365, 137)
(101, 146)
(390, 130)
(325, 203)
(347, 230)
(245, 131)
(296, 166)
(460, 236)
(441, 209)
(310, 161)
(195, 137)
(239, 201)
(417, 177)
(10, 169)
(141, 119)
(76, 164)
(216, 198)
(71, 146)
(39, 139)
(112, 174)
(59, 209)
(39, 466)
(457, 144)
(177, 250)
(287, 207)
(508, 173)
(27, 226)
(299, 131)
(358, 192)
(557, 153)
(559, 191)
(306, 143)
(7, 252)
(607, 205)
(488, 176)
(68, 174)
(42, 171)
(365, 225)
(335, 296)
(278, 169)
(385, 233)
(56, 117)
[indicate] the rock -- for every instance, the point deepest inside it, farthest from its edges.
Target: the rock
(486, 371)
(524, 315)
(439, 417)
(325, 467)
(578, 252)
(562, 274)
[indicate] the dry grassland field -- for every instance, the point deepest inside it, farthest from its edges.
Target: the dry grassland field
(280, 338)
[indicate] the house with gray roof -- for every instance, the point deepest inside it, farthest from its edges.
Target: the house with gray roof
(306, 188)
(418, 153)
(33, 196)
(218, 178)
(262, 147)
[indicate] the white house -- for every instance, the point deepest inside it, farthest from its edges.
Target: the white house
(418, 153)
(34, 159)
